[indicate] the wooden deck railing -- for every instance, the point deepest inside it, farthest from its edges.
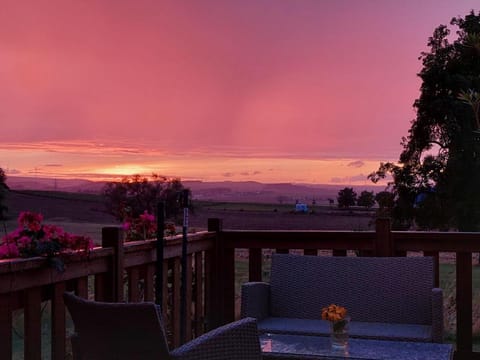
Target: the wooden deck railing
(126, 272)
(381, 242)
(114, 272)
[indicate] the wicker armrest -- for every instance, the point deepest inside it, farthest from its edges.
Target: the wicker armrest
(437, 315)
(235, 341)
(255, 300)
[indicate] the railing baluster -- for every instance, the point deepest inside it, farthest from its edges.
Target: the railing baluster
(188, 295)
(255, 264)
(176, 302)
(100, 287)
(81, 287)
(133, 280)
(464, 301)
(32, 324)
(211, 298)
(165, 265)
(6, 326)
(436, 259)
(339, 252)
(58, 322)
(149, 291)
(199, 289)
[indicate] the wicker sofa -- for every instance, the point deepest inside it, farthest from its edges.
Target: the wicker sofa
(387, 298)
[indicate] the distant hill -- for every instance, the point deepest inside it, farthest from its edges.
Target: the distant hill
(241, 191)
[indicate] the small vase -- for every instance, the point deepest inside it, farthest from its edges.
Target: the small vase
(339, 335)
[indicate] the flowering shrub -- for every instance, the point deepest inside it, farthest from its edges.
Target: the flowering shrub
(145, 227)
(337, 315)
(32, 238)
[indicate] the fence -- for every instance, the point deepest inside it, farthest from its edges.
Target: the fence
(118, 272)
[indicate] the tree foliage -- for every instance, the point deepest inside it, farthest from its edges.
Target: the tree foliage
(136, 194)
(366, 199)
(441, 154)
(3, 194)
(346, 197)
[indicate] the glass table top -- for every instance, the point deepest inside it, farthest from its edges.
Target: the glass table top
(318, 347)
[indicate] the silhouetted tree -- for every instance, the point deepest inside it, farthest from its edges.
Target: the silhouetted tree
(386, 202)
(366, 199)
(346, 198)
(136, 194)
(441, 155)
(3, 194)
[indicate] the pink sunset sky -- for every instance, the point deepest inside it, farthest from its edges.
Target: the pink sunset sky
(311, 91)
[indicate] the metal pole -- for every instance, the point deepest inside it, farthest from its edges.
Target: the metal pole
(183, 293)
(159, 248)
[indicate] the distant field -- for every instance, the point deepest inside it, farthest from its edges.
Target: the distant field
(85, 213)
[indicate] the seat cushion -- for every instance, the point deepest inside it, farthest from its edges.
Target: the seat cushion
(358, 329)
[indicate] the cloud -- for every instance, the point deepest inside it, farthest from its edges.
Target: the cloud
(12, 171)
(356, 164)
(250, 173)
(228, 174)
(53, 165)
(349, 179)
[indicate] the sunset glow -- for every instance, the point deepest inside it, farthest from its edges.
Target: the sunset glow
(251, 90)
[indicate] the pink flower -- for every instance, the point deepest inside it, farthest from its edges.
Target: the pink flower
(147, 217)
(52, 231)
(30, 220)
(24, 241)
(8, 251)
(126, 226)
(12, 236)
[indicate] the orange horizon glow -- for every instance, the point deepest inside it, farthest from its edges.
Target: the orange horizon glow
(91, 162)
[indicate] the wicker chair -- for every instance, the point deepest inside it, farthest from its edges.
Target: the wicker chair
(132, 331)
(387, 298)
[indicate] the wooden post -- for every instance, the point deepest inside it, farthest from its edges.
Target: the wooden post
(112, 236)
(383, 239)
(213, 273)
(224, 277)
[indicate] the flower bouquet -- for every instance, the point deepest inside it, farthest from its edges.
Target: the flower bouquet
(32, 238)
(337, 315)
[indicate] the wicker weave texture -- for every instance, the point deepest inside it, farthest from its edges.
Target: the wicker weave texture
(394, 289)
